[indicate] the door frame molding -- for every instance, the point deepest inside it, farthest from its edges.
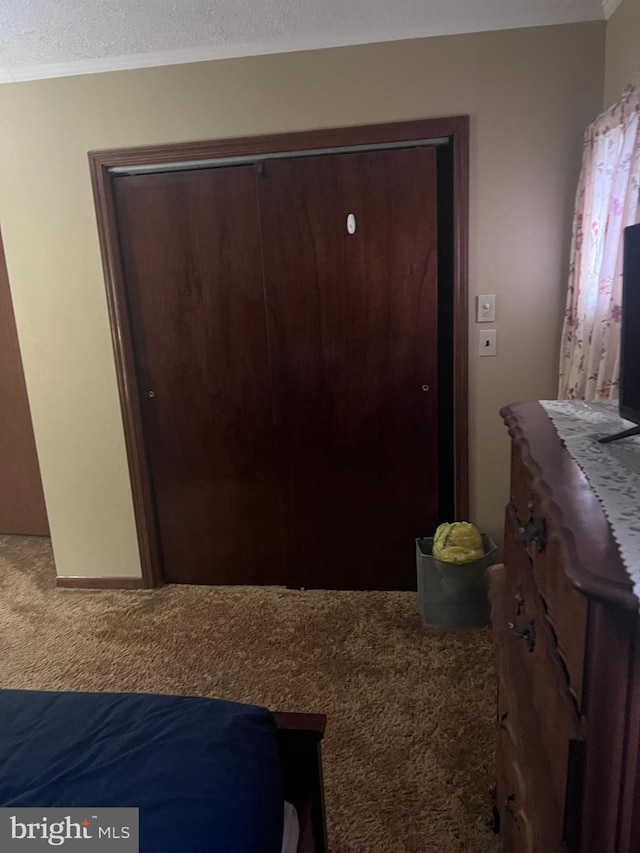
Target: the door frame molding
(455, 128)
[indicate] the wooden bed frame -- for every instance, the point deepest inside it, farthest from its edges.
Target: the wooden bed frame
(299, 744)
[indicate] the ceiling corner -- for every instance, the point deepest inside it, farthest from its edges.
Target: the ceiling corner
(609, 7)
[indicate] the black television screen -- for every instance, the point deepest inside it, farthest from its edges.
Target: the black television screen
(630, 334)
(630, 330)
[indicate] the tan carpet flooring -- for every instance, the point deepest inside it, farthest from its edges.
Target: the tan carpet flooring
(409, 747)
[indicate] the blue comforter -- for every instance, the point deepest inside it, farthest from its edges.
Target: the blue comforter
(204, 773)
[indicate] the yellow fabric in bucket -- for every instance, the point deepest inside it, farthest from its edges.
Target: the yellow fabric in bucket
(457, 542)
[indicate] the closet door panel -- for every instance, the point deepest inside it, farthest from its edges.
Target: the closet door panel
(191, 253)
(353, 333)
(22, 507)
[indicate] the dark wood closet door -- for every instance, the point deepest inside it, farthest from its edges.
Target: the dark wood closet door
(22, 507)
(353, 333)
(191, 253)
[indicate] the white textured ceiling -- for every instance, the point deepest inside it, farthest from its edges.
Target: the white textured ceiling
(48, 38)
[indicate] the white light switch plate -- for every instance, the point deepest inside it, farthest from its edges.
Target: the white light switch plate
(487, 342)
(486, 308)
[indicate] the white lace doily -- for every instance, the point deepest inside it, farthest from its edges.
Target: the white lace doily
(613, 470)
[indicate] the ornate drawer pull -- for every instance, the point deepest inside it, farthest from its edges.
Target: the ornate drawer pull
(528, 633)
(493, 820)
(519, 596)
(535, 530)
(510, 806)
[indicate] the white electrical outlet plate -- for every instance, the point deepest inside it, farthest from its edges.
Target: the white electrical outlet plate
(487, 342)
(486, 308)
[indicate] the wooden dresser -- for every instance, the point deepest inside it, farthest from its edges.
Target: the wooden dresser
(565, 626)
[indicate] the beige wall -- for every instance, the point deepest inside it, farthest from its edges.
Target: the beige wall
(529, 94)
(622, 64)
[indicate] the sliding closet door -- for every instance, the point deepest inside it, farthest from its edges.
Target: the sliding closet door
(191, 253)
(353, 333)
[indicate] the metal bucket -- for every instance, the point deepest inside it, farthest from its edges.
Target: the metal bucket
(451, 595)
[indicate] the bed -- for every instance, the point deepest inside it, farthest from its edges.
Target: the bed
(207, 775)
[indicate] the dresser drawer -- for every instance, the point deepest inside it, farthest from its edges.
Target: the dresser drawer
(564, 607)
(521, 486)
(515, 825)
(533, 638)
(535, 709)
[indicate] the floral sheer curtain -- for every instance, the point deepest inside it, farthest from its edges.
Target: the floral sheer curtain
(608, 199)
